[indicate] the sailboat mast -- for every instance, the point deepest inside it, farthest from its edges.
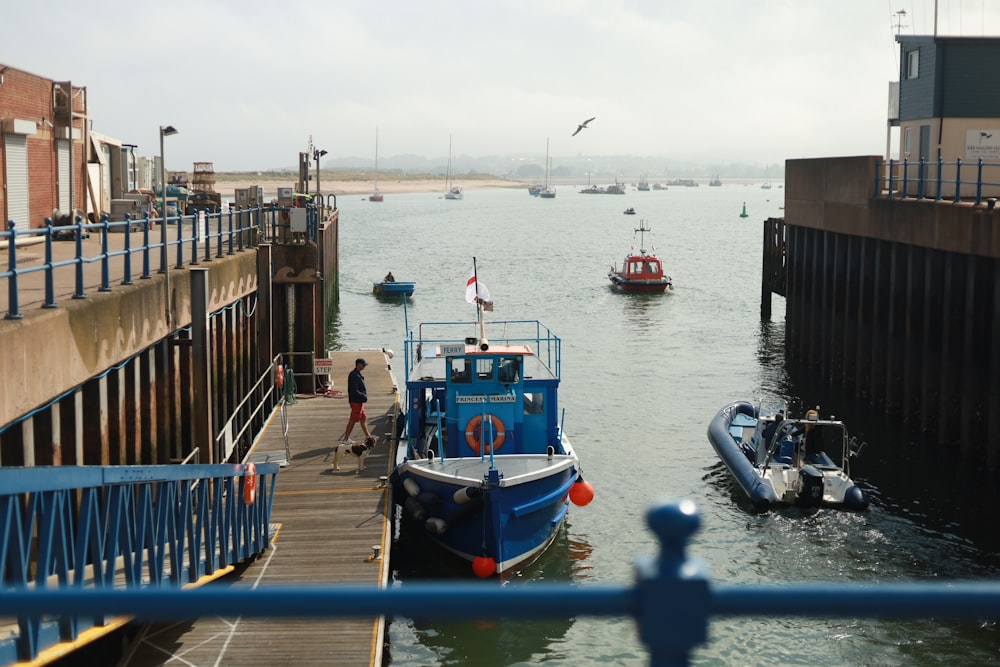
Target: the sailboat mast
(376, 157)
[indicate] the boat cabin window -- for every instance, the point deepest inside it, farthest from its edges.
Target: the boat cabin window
(652, 267)
(509, 369)
(534, 402)
(461, 370)
(635, 267)
(484, 369)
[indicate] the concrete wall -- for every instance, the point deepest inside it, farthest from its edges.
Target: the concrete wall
(63, 347)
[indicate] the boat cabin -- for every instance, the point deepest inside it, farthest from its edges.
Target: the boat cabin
(463, 400)
(642, 267)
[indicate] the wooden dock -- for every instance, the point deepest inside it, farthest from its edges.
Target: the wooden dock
(326, 524)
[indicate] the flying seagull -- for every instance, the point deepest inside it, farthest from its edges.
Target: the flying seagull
(581, 126)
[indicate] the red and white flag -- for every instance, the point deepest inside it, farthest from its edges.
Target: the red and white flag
(477, 291)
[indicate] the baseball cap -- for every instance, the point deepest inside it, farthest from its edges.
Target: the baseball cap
(361, 361)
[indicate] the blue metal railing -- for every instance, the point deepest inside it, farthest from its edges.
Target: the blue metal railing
(671, 598)
(196, 239)
(101, 528)
(546, 345)
(938, 180)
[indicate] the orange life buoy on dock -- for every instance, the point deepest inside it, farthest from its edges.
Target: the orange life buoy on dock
(250, 484)
(279, 376)
(472, 428)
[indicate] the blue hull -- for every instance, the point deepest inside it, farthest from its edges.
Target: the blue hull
(470, 517)
(393, 289)
(761, 495)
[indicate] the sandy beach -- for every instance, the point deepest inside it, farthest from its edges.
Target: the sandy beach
(226, 187)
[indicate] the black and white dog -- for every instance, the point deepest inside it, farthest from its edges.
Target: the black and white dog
(360, 450)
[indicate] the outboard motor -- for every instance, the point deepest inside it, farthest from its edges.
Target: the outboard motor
(810, 487)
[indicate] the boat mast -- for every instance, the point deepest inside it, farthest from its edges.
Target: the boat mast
(642, 238)
(376, 158)
(484, 343)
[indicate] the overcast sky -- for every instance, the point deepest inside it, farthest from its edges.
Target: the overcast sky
(716, 81)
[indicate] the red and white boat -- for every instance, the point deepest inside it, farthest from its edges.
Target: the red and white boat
(641, 271)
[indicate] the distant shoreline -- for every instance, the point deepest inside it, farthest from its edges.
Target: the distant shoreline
(356, 187)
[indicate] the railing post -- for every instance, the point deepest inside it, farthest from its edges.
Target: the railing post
(105, 259)
(906, 179)
(921, 176)
(218, 233)
(80, 293)
(180, 241)
(50, 278)
(13, 310)
(127, 278)
(671, 631)
(195, 236)
(940, 190)
(979, 183)
(145, 247)
(230, 239)
(958, 180)
(891, 177)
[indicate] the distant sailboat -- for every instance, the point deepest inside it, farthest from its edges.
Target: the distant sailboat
(547, 192)
(451, 191)
(376, 195)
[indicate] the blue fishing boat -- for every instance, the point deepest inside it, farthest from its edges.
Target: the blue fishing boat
(389, 289)
(778, 460)
(484, 464)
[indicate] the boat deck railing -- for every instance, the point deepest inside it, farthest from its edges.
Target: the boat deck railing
(671, 598)
(134, 248)
(545, 345)
(975, 182)
(90, 530)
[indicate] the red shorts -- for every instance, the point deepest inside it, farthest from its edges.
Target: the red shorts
(358, 412)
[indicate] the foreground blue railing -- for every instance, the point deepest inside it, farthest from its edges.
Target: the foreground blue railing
(939, 180)
(671, 599)
(137, 248)
(100, 528)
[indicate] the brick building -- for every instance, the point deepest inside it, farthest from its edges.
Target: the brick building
(43, 133)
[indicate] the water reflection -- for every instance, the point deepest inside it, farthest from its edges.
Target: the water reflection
(481, 640)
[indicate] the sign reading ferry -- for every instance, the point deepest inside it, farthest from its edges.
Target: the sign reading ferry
(982, 144)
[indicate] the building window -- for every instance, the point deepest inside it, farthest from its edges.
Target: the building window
(913, 64)
(906, 143)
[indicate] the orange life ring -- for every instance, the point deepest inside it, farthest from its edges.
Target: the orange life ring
(472, 437)
(250, 484)
(279, 378)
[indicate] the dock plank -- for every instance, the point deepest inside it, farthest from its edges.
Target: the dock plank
(328, 521)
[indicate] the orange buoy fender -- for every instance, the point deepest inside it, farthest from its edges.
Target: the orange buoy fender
(581, 493)
(250, 484)
(279, 376)
(472, 434)
(484, 566)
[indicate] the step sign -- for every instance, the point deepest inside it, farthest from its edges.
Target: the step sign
(323, 366)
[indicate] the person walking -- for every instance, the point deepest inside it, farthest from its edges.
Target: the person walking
(357, 396)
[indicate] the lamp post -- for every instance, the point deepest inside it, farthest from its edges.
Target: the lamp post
(165, 131)
(317, 154)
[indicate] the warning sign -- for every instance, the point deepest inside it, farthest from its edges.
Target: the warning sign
(323, 367)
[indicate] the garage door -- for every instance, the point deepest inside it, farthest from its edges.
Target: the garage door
(16, 167)
(62, 147)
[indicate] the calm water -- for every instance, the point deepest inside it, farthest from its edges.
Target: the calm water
(642, 377)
